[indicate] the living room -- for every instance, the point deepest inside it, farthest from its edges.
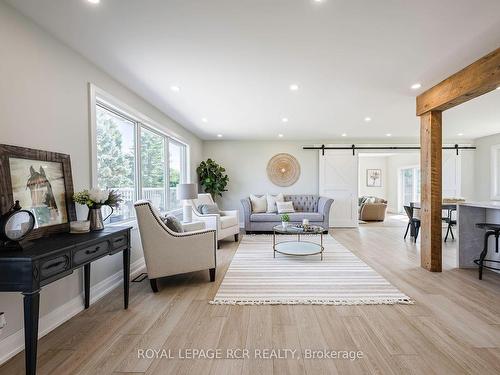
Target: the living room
(190, 175)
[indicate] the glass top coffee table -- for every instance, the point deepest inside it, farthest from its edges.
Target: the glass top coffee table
(298, 247)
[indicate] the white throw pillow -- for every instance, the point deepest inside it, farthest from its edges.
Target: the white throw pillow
(271, 202)
(285, 207)
(259, 204)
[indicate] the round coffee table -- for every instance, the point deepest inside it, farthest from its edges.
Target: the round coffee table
(298, 247)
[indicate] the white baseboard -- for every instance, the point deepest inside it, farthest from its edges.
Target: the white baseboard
(14, 343)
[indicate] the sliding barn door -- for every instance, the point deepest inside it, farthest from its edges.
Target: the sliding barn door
(338, 179)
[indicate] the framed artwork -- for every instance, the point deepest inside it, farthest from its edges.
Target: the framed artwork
(42, 183)
(374, 177)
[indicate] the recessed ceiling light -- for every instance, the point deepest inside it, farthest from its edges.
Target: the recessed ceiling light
(175, 88)
(460, 134)
(219, 135)
(344, 135)
(280, 135)
(416, 86)
(294, 87)
(388, 135)
(94, 1)
(284, 119)
(204, 119)
(368, 119)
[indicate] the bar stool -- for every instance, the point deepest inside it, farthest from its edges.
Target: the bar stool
(491, 230)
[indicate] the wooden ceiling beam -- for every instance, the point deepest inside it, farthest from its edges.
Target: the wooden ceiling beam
(477, 79)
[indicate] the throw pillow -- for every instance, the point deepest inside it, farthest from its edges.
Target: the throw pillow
(173, 223)
(259, 204)
(285, 207)
(208, 209)
(271, 202)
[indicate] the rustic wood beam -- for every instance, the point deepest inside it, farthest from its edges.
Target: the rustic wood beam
(477, 79)
(431, 190)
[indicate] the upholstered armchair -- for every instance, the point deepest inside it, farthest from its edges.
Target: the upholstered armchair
(226, 223)
(170, 253)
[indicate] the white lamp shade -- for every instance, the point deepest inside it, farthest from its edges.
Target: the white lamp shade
(187, 191)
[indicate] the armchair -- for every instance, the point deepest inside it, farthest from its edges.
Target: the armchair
(169, 253)
(226, 224)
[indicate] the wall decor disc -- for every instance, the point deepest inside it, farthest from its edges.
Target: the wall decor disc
(283, 170)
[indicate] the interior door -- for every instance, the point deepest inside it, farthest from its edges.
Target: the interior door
(338, 179)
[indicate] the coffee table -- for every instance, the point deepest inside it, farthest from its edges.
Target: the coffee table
(298, 247)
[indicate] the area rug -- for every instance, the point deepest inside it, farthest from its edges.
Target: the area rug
(254, 277)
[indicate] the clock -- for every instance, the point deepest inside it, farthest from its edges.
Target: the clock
(16, 224)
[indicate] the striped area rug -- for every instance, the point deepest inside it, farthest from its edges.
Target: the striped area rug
(254, 277)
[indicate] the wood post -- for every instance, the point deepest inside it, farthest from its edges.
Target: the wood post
(431, 190)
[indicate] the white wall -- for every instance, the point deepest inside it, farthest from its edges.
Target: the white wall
(482, 166)
(44, 104)
(372, 162)
(246, 162)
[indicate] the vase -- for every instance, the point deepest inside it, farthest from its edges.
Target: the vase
(95, 218)
(284, 224)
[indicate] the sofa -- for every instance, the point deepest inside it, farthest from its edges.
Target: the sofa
(372, 208)
(312, 207)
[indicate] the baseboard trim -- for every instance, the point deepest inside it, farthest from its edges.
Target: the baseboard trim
(14, 343)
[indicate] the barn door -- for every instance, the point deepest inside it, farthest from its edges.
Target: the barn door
(338, 179)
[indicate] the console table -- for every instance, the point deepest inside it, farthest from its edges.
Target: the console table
(51, 258)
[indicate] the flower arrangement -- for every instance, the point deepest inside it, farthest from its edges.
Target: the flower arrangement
(95, 198)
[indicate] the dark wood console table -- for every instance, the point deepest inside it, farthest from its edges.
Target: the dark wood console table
(51, 258)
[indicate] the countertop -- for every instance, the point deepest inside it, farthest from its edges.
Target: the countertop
(485, 204)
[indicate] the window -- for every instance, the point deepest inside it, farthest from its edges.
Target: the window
(409, 186)
(134, 158)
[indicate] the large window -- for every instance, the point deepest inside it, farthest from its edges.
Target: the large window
(136, 159)
(409, 186)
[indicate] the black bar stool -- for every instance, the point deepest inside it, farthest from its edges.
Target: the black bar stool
(491, 230)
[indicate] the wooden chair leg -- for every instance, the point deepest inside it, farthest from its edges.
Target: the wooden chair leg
(154, 285)
(211, 272)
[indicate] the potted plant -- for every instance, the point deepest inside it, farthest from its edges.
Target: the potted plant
(94, 199)
(212, 178)
(285, 220)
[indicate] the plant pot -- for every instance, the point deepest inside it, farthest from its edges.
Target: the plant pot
(284, 224)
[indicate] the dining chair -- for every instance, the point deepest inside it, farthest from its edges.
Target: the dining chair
(413, 222)
(451, 222)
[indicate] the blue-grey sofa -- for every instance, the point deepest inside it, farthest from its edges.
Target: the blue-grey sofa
(312, 207)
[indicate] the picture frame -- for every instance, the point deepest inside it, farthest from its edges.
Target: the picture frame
(374, 178)
(43, 183)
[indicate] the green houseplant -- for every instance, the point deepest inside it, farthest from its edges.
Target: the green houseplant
(212, 177)
(285, 220)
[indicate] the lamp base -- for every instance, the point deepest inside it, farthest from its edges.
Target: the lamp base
(187, 213)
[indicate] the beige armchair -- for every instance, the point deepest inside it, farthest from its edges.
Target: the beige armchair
(170, 253)
(373, 210)
(226, 224)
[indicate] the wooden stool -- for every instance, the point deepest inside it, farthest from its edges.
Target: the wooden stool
(491, 229)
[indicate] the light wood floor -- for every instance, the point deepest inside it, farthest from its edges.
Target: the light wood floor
(454, 327)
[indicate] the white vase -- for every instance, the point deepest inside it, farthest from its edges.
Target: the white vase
(284, 224)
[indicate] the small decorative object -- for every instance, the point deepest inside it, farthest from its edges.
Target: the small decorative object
(305, 223)
(186, 192)
(212, 178)
(77, 227)
(42, 183)
(94, 199)
(16, 224)
(285, 220)
(283, 170)
(373, 178)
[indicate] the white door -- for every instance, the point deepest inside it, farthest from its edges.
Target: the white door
(451, 174)
(338, 179)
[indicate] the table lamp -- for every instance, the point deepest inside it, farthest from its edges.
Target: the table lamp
(185, 192)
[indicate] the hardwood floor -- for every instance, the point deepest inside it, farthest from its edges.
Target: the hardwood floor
(453, 328)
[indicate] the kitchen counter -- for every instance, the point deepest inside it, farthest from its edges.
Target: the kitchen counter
(470, 238)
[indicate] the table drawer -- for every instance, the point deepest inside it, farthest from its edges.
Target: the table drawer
(86, 254)
(53, 266)
(119, 241)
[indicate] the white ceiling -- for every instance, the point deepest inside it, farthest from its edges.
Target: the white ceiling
(234, 60)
